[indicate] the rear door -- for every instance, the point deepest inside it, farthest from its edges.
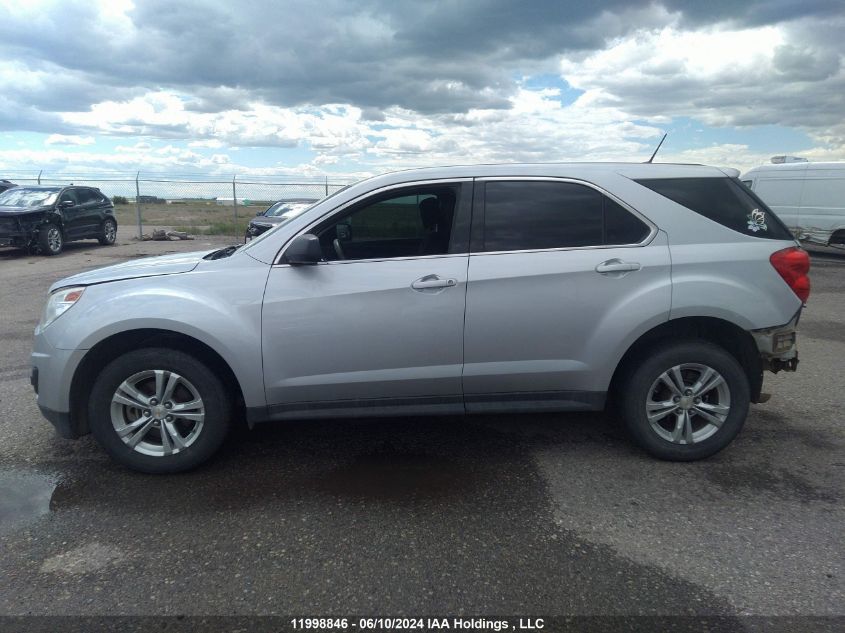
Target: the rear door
(91, 203)
(561, 278)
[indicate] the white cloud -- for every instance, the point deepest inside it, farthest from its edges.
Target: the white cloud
(720, 76)
(69, 139)
(207, 143)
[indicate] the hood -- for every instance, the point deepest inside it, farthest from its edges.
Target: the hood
(266, 219)
(145, 267)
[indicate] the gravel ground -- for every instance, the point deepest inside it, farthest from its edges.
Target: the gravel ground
(542, 514)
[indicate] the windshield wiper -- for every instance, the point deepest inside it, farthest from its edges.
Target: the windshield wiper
(223, 252)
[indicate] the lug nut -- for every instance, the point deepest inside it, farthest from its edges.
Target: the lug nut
(688, 392)
(169, 418)
(679, 410)
(147, 412)
(168, 405)
(676, 399)
(697, 401)
(153, 401)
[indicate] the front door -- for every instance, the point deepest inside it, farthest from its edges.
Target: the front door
(73, 219)
(377, 328)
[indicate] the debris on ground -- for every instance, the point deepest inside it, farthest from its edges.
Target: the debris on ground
(160, 235)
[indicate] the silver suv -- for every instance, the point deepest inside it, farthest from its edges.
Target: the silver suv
(666, 290)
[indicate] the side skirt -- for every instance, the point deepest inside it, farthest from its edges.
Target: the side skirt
(530, 402)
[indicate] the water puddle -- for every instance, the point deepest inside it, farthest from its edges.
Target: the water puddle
(399, 476)
(24, 496)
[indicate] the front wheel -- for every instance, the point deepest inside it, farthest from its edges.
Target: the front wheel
(686, 401)
(50, 239)
(159, 411)
(108, 233)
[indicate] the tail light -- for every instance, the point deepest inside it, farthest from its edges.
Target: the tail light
(793, 264)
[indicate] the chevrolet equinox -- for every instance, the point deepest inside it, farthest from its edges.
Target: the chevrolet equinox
(666, 290)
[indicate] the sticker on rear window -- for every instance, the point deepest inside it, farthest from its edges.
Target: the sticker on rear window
(757, 221)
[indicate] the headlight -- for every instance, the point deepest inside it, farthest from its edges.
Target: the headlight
(58, 303)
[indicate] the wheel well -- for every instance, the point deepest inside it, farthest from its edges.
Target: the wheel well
(732, 338)
(114, 346)
(838, 237)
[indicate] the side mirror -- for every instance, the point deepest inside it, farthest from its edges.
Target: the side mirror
(259, 213)
(66, 204)
(304, 250)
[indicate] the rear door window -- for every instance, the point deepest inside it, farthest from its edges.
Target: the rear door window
(86, 195)
(536, 215)
(722, 200)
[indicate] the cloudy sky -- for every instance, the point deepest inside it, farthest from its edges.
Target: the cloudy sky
(344, 89)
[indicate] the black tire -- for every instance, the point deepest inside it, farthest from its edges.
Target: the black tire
(108, 232)
(217, 408)
(637, 389)
(51, 240)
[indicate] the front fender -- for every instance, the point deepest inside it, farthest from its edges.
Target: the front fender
(220, 307)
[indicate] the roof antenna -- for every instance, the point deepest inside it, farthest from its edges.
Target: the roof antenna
(658, 147)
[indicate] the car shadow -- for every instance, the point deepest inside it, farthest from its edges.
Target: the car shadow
(389, 460)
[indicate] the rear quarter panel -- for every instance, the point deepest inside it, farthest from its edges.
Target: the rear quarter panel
(735, 282)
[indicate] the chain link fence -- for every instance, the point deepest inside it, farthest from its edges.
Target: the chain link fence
(191, 204)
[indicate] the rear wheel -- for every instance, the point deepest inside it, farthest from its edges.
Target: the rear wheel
(159, 411)
(108, 233)
(686, 401)
(50, 239)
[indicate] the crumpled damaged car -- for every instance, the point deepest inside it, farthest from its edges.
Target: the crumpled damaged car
(43, 218)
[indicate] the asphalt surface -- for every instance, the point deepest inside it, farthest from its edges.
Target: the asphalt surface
(542, 514)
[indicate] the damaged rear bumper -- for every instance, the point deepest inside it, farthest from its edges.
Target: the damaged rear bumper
(778, 346)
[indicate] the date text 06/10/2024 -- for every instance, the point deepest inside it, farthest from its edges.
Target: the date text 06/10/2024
(417, 624)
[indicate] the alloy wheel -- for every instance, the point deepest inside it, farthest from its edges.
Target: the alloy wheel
(54, 239)
(688, 403)
(157, 412)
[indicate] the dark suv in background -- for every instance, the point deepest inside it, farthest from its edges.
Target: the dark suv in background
(43, 218)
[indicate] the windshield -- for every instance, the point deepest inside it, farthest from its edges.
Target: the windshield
(26, 197)
(288, 210)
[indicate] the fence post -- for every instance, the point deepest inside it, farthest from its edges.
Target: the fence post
(235, 200)
(327, 186)
(138, 206)
(39, 176)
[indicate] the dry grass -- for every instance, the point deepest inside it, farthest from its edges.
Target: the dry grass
(199, 217)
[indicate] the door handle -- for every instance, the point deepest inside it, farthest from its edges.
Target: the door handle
(617, 266)
(433, 281)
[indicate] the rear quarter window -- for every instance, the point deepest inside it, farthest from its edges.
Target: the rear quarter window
(724, 201)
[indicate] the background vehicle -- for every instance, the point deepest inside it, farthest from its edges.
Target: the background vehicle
(45, 217)
(808, 197)
(665, 289)
(6, 184)
(278, 212)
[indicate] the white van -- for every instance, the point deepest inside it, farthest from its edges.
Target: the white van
(808, 197)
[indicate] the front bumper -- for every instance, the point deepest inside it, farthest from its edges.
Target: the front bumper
(15, 238)
(51, 377)
(254, 230)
